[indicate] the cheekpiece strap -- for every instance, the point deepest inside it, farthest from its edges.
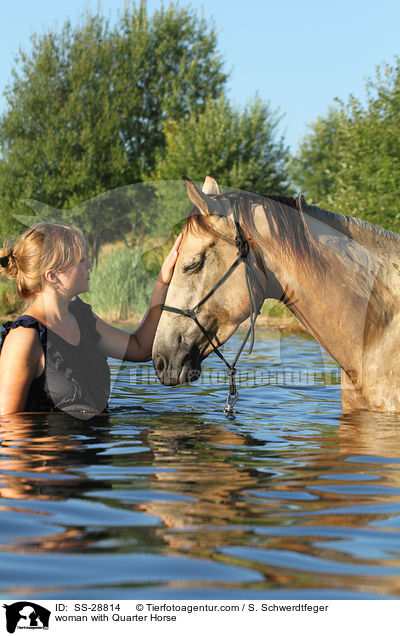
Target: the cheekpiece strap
(241, 243)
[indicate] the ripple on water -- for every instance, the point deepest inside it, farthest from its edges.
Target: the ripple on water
(167, 498)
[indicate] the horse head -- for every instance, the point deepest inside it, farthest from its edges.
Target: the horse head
(217, 307)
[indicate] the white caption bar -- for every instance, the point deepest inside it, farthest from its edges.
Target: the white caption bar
(177, 617)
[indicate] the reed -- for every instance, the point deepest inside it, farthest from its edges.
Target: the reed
(275, 309)
(10, 303)
(120, 288)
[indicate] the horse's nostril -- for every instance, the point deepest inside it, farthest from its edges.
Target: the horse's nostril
(160, 364)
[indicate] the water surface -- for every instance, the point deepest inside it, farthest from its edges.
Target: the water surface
(167, 498)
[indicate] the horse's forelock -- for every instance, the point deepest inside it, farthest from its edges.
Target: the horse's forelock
(287, 223)
(284, 218)
(198, 223)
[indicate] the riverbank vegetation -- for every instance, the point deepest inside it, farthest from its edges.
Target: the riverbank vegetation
(121, 284)
(349, 161)
(94, 108)
(102, 121)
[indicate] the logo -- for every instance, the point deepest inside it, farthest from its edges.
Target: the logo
(26, 615)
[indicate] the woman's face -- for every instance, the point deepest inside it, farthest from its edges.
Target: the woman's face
(75, 279)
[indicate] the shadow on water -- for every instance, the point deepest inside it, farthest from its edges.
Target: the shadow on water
(171, 504)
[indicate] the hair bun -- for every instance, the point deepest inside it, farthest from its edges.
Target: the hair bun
(4, 260)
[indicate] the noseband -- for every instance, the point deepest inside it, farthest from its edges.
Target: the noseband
(243, 248)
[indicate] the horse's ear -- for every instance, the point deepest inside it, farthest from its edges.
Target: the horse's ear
(205, 204)
(210, 185)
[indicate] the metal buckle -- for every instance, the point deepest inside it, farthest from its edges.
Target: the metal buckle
(230, 403)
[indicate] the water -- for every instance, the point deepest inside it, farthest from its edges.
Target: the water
(167, 498)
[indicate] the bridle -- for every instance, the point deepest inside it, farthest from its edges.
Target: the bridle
(243, 248)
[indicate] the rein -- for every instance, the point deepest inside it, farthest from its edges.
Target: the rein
(243, 248)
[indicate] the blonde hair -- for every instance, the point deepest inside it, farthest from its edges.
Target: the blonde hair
(45, 246)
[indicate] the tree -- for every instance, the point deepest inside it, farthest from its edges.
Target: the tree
(238, 147)
(350, 161)
(87, 106)
(312, 169)
(167, 66)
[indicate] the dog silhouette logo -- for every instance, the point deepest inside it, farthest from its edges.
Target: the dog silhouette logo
(26, 615)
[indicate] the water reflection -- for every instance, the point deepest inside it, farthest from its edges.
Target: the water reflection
(243, 505)
(39, 454)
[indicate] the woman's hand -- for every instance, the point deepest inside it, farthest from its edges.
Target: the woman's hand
(137, 346)
(167, 268)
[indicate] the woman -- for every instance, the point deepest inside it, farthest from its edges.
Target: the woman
(53, 357)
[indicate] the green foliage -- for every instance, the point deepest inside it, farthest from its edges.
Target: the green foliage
(239, 148)
(275, 309)
(167, 66)
(10, 302)
(119, 285)
(350, 160)
(86, 110)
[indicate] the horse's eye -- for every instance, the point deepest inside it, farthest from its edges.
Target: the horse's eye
(196, 265)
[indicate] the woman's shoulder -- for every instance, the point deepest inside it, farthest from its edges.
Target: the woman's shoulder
(78, 307)
(21, 361)
(87, 320)
(23, 338)
(23, 325)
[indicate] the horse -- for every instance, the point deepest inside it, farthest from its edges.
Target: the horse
(338, 274)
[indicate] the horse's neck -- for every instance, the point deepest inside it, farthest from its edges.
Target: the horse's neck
(328, 288)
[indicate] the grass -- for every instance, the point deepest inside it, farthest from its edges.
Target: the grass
(275, 309)
(121, 284)
(10, 303)
(120, 288)
(274, 314)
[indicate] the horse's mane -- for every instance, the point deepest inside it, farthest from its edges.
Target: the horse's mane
(363, 232)
(289, 229)
(287, 221)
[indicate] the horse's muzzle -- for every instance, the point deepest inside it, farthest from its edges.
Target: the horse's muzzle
(183, 368)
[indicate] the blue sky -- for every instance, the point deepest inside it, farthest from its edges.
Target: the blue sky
(298, 55)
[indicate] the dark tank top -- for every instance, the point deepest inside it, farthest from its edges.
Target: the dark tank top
(76, 378)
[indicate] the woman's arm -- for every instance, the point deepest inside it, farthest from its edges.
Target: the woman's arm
(137, 347)
(20, 358)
